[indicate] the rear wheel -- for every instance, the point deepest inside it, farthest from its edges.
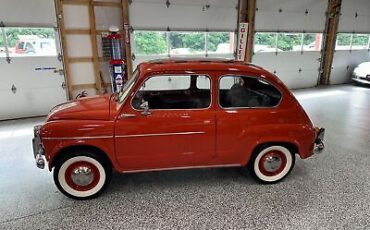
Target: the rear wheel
(82, 175)
(271, 164)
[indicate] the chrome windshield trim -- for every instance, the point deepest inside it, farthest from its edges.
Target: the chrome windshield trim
(158, 134)
(76, 138)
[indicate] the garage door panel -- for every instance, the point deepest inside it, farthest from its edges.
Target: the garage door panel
(355, 16)
(290, 15)
(30, 12)
(295, 69)
(31, 71)
(316, 6)
(184, 15)
(344, 62)
(37, 83)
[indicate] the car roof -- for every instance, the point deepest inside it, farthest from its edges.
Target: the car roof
(198, 64)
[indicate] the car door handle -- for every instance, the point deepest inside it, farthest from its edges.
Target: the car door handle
(127, 115)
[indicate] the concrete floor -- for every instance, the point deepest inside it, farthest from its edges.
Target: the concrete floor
(327, 191)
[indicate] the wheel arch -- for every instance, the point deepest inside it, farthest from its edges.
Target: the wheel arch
(293, 148)
(84, 147)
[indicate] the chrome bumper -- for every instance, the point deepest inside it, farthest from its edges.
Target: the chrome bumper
(38, 148)
(319, 141)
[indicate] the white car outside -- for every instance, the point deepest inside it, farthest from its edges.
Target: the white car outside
(361, 73)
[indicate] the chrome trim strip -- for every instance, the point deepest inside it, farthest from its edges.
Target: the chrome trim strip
(76, 138)
(183, 167)
(158, 134)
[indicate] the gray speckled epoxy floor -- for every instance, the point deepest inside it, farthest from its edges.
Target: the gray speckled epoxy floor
(327, 191)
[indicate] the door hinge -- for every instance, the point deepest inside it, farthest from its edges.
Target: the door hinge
(13, 89)
(60, 71)
(64, 86)
(60, 57)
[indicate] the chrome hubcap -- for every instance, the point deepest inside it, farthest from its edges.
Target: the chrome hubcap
(272, 163)
(82, 176)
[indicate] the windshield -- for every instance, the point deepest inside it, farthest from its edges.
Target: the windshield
(122, 95)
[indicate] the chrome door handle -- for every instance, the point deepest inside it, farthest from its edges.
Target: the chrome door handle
(127, 115)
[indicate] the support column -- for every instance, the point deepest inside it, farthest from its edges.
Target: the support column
(251, 14)
(126, 34)
(94, 47)
(331, 27)
(63, 46)
(247, 13)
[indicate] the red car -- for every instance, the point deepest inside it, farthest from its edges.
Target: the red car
(177, 114)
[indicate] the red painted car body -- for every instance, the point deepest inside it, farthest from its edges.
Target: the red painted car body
(218, 137)
(179, 138)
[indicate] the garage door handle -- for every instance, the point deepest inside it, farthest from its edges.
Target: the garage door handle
(13, 89)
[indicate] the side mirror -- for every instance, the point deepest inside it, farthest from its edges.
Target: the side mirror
(145, 106)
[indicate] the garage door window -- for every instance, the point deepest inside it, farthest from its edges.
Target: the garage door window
(312, 42)
(183, 43)
(287, 42)
(24, 41)
(220, 43)
(247, 92)
(346, 41)
(160, 44)
(360, 41)
(150, 43)
(174, 92)
(343, 42)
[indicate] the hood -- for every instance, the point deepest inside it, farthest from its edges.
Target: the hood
(87, 108)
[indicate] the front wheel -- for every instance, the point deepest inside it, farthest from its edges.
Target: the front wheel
(271, 164)
(82, 175)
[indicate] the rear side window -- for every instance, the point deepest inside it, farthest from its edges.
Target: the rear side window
(247, 92)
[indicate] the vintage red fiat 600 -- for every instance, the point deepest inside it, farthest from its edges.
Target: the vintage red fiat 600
(176, 114)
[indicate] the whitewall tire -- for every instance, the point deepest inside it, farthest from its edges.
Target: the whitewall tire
(81, 175)
(271, 164)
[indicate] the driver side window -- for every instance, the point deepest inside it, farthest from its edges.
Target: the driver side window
(174, 92)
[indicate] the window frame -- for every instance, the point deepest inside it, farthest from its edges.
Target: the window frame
(172, 74)
(259, 77)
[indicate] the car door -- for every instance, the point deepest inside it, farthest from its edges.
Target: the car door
(247, 111)
(177, 131)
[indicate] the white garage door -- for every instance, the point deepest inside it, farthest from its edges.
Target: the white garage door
(353, 41)
(288, 39)
(183, 28)
(31, 79)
